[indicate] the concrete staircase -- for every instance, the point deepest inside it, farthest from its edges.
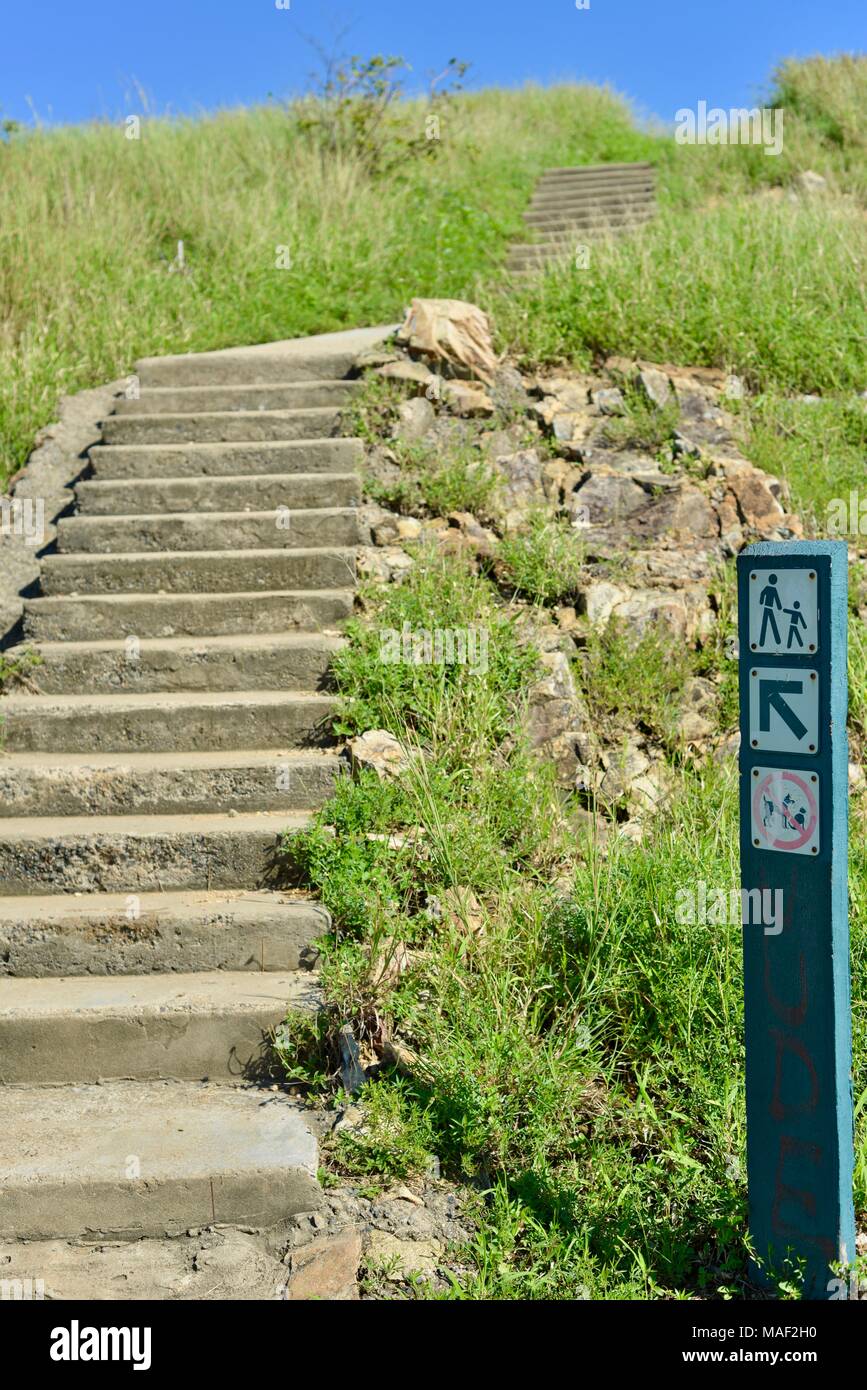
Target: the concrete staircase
(175, 728)
(571, 206)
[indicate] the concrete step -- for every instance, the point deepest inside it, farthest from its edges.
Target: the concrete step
(238, 531)
(167, 784)
(148, 462)
(114, 616)
(145, 854)
(563, 246)
(135, 934)
(561, 171)
(166, 722)
(216, 427)
(553, 228)
(594, 188)
(593, 197)
(196, 572)
(318, 358)
(134, 1159)
(585, 215)
(587, 207)
(247, 492)
(184, 400)
(269, 661)
(207, 1025)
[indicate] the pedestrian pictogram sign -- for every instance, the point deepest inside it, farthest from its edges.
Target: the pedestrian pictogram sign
(784, 709)
(792, 616)
(783, 611)
(785, 810)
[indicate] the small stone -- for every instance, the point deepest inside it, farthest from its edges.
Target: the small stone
(610, 401)
(809, 182)
(402, 1258)
(405, 370)
(467, 399)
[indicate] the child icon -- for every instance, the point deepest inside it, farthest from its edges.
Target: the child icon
(796, 621)
(769, 599)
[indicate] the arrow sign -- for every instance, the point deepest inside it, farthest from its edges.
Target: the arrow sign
(771, 697)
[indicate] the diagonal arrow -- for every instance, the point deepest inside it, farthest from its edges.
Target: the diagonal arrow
(771, 697)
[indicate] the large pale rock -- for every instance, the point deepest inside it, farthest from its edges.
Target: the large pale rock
(557, 722)
(467, 399)
(607, 498)
(401, 1259)
(380, 752)
(326, 1268)
(451, 331)
(415, 419)
(655, 387)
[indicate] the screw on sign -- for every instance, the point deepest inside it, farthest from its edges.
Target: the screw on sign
(792, 616)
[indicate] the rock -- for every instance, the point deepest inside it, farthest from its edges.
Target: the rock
(599, 600)
(383, 566)
(467, 399)
(408, 528)
(610, 401)
(857, 780)
(622, 766)
(809, 182)
(684, 447)
(655, 387)
(521, 475)
(400, 1259)
(416, 418)
(451, 331)
(607, 498)
(402, 1193)
(327, 1268)
(683, 512)
(557, 723)
(376, 357)
(756, 503)
(380, 752)
(404, 369)
(645, 609)
(734, 388)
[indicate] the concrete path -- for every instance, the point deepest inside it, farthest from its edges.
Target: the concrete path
(176, 725)
(571, 206)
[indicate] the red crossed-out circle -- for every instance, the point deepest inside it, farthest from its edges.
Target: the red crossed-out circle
(809, 798)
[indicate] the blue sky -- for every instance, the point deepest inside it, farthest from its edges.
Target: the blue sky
(74, 60)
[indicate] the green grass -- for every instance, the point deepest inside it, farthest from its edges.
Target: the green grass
(90, 220)
(577, 1051)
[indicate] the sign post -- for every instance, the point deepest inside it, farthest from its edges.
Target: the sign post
(792, 607)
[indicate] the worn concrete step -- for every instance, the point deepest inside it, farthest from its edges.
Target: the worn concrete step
(196, 572)
(563, 246)
(226, 427)
(591, 207)
(133, 1159)
(558, 171)
(184, 400)
(269, 661)
(316, 358)
(148, 462)
(139, 933)
(555, 227)
(145, 854)
(207, 1025)
(166, 722)
(592, 189)
(111, 535)
(154, 784)
(588, 216)
(113, 616)
(590, 197)
(247, 492)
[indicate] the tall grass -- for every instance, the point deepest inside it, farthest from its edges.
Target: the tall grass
(90, 220)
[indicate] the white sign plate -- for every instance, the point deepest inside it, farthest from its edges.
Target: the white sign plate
(784, 814)
(784, 616)
(784, 710)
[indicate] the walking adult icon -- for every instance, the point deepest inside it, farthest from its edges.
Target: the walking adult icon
(769, 599)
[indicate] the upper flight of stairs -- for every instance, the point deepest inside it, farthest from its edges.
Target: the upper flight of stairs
(570, 206)
(174, 728)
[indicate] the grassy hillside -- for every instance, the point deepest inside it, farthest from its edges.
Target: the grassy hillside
(632, 1186)
(89, 222)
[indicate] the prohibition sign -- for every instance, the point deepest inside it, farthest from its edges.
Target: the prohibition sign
(785, 810)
